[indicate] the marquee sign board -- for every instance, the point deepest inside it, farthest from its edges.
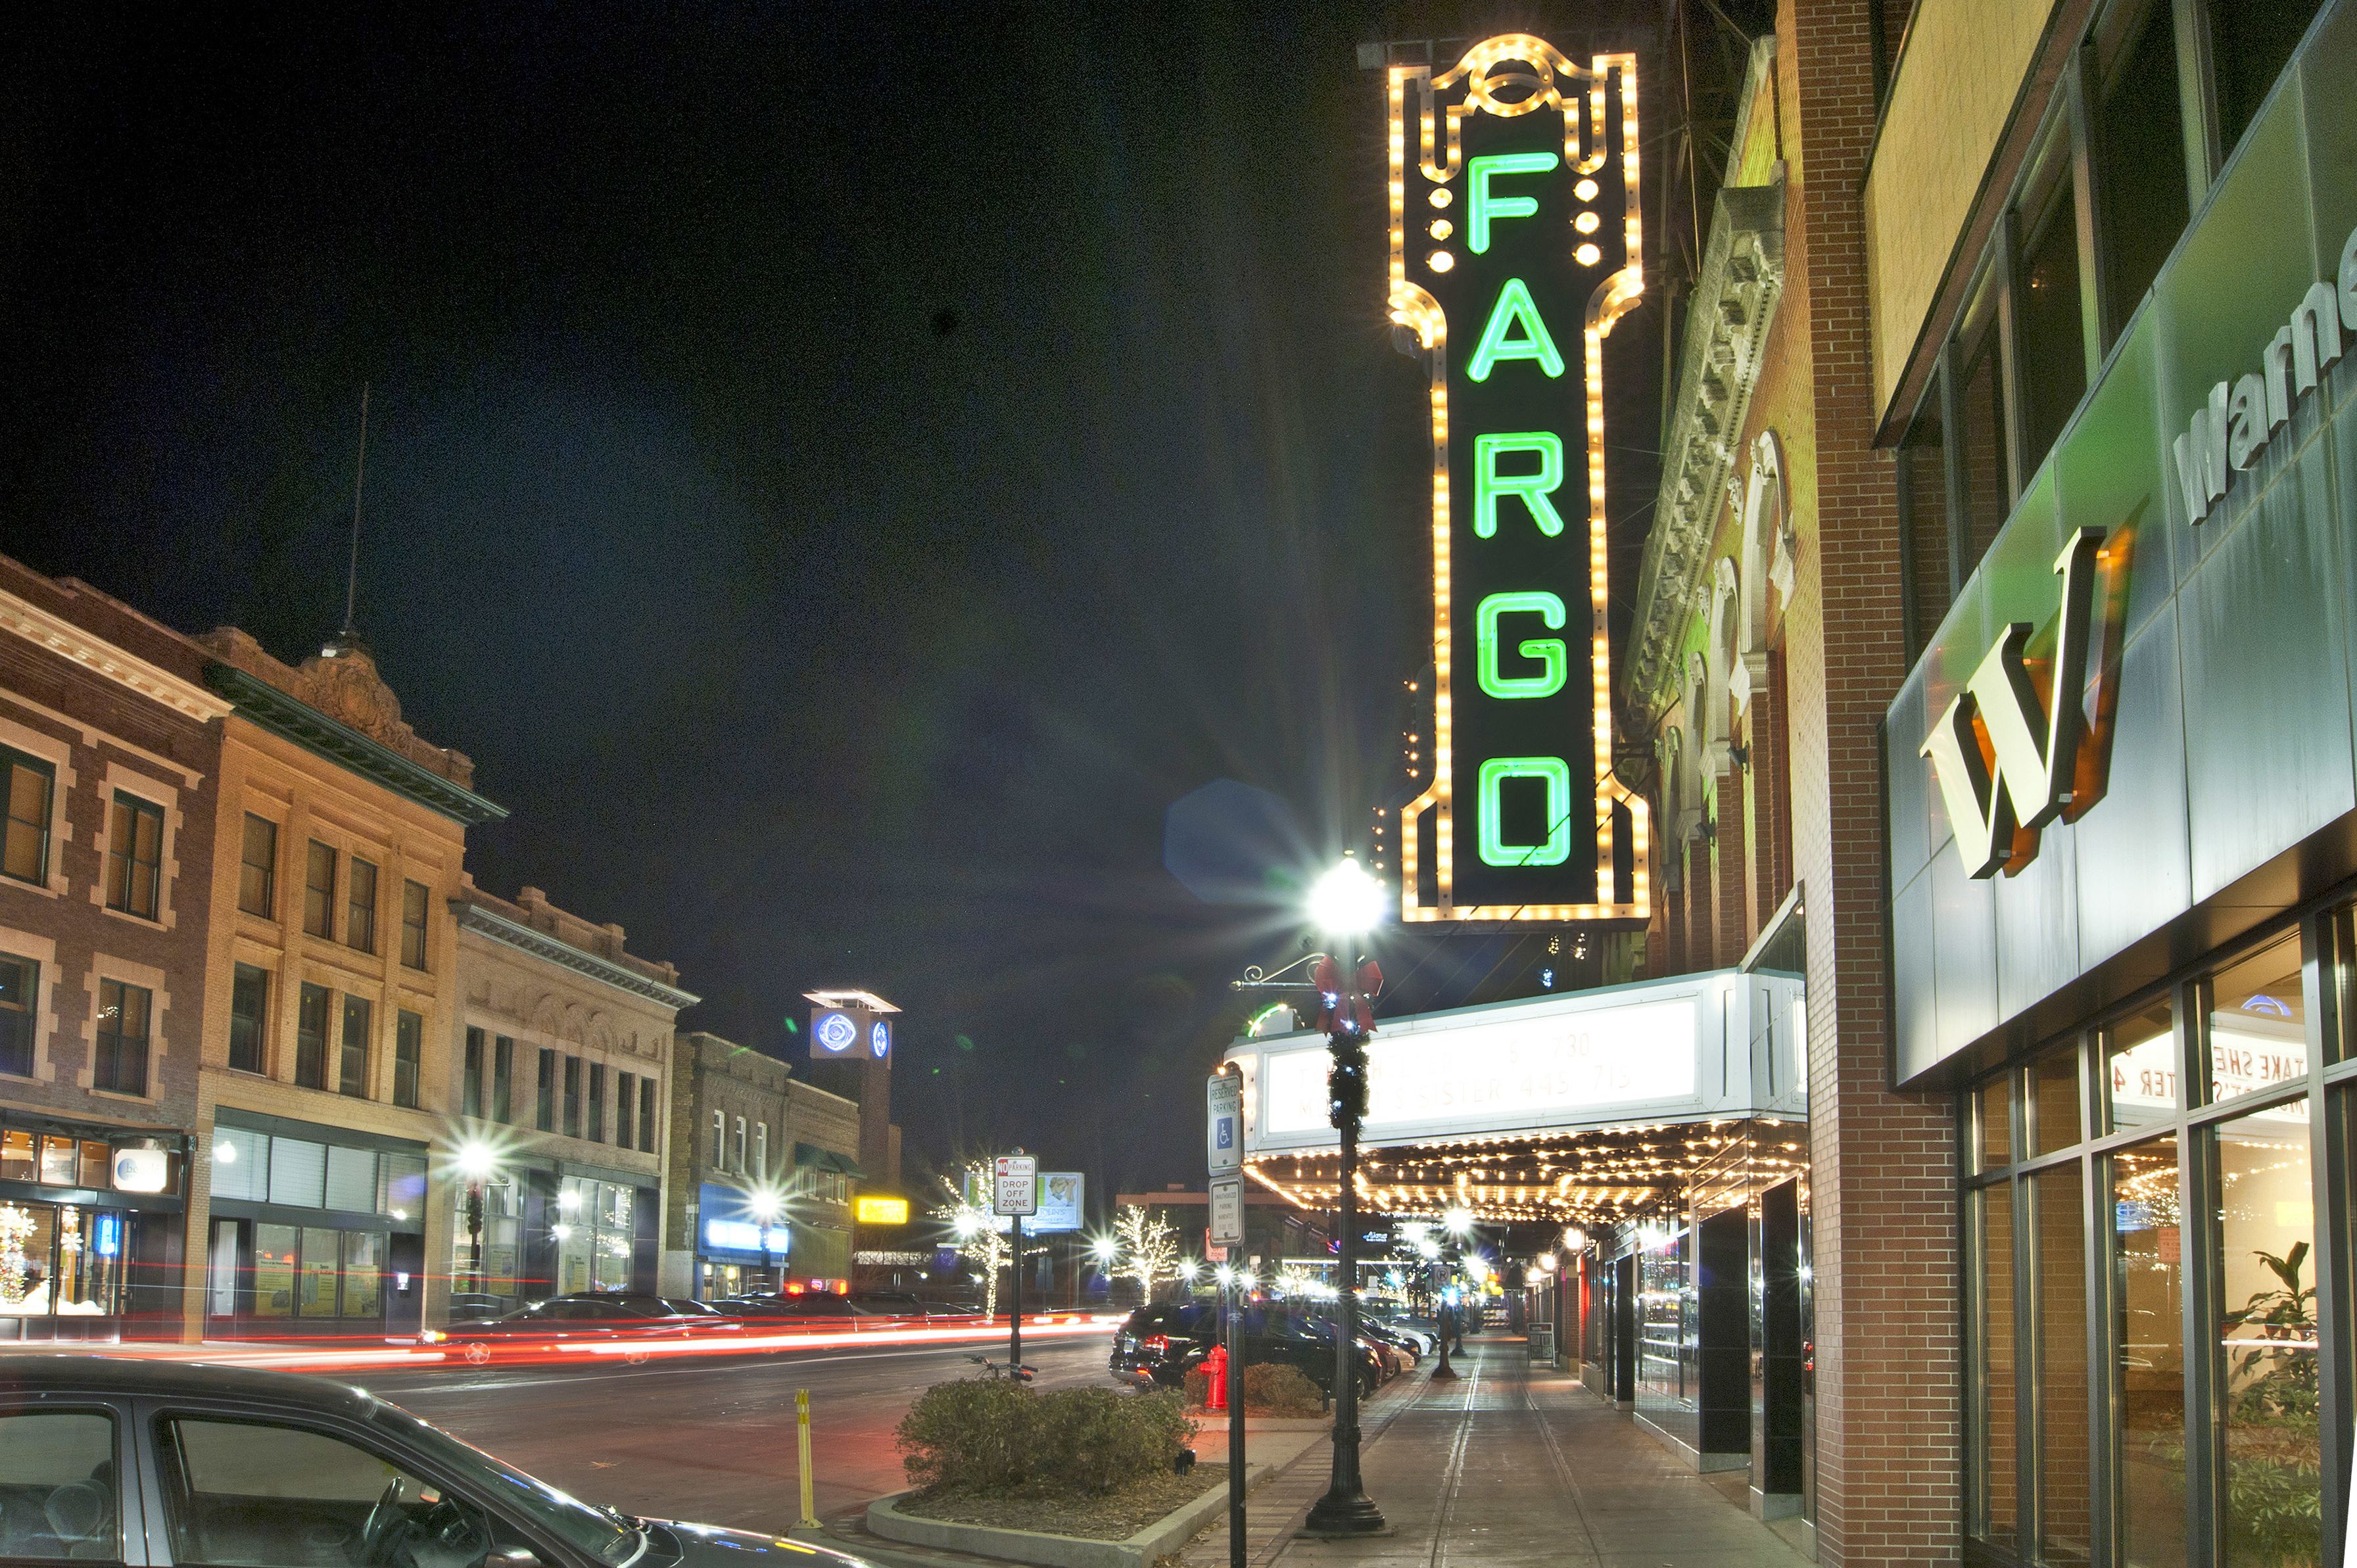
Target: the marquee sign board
(1516, 243)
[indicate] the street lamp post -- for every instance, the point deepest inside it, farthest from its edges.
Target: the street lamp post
(1346, 902)
(476, 1163)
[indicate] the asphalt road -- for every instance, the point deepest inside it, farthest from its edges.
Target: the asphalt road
(713, 1441)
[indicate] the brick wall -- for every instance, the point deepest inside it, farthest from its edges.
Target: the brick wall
(1882, 1164)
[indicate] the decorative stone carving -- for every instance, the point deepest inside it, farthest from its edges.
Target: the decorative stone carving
(1734, 302)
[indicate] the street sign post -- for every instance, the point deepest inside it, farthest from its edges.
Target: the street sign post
(1223, 1152)
(1014, 1192)
(1227, 1212)
(1224, 1106)
(1014, 1184)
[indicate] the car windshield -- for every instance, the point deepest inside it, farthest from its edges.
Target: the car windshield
(602, 1533)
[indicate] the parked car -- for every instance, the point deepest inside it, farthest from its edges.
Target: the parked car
(904, 1303)
(584, 1315)
(1425, 1340)
(810, 1309)
(1404, 1350)
(473, 1306)
(230, 1464)
(1159, 1344)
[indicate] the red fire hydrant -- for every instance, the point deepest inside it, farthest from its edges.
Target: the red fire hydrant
(1215, 1376)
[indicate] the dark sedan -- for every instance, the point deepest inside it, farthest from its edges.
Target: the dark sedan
(584, 1318)
(1159, 1345)
(123, 1461)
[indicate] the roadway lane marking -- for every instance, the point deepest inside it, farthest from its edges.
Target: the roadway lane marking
(667, 1372)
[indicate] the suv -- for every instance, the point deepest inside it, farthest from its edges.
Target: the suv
(1160, 1344)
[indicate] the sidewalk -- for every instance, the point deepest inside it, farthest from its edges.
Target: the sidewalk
(1513, 1464)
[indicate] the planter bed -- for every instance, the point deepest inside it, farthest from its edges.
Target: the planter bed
(1128, 1528)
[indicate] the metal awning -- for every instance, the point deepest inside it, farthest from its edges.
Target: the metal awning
(812, 1157)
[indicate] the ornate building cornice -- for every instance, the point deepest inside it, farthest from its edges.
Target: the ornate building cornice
(101, 658)
(1727, 324)
(541, 945)
(288, 717)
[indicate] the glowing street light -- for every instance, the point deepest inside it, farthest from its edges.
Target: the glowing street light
(1345, 904)
(1347, 901)
(477, 1160)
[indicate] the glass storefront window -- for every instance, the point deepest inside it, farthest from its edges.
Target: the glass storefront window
(1997, 1123)
(274, 1271)
(612, 1263)
(60, 1162)
(1994, 1492)
(16, 1155)
(2054, 1101)
(315, 1279)
(593, 1234)
(2258, 1024)
(2268, 1404)
(364, 1275)
(2149, 1353)
(89, 1262)
(28, 1233)
(60, 1260)
(2140, 1069)
(2065, 1468)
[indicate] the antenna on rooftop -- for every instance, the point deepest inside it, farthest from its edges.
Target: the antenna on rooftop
(352, 574)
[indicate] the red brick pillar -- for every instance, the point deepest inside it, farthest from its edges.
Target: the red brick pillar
(1674, 912)
(1883, 1198)
(1730, 897)
(1702, 922)
(1769, 785)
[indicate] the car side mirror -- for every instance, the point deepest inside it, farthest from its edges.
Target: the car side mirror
(513, 1557)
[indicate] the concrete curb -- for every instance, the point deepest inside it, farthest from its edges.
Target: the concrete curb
(1219, 1423)
(1166, 1534)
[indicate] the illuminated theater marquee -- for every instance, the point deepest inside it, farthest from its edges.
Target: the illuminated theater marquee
(1515, 246)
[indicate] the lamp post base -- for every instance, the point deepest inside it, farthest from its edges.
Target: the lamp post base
(1343, 1515)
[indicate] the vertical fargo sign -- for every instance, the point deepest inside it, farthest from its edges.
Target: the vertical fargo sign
(1515, 246)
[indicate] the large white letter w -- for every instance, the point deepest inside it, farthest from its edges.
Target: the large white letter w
(2034, 745)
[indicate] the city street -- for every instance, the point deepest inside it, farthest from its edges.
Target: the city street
(713, 1441)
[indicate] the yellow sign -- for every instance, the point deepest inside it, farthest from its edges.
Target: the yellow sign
(878, 1211)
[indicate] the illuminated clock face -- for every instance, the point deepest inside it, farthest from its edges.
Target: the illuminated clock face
(837, 1033)
(880, 1040)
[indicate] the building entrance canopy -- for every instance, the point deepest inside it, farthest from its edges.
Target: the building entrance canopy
(1580, 1108)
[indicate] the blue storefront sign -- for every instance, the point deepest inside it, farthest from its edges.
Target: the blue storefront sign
(730, 1231)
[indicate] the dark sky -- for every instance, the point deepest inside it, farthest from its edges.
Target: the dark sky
(841, 471)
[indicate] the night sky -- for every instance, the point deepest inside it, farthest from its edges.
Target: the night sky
(841, 471)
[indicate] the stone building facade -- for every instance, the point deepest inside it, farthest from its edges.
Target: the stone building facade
(332, 1002)
(562, 1102)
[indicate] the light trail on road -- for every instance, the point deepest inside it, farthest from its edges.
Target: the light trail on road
(712, 1440)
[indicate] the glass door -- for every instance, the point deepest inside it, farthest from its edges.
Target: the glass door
(220, 1299)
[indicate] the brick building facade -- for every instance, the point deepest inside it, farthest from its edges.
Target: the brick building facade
(109, 740)
(763, 1172)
